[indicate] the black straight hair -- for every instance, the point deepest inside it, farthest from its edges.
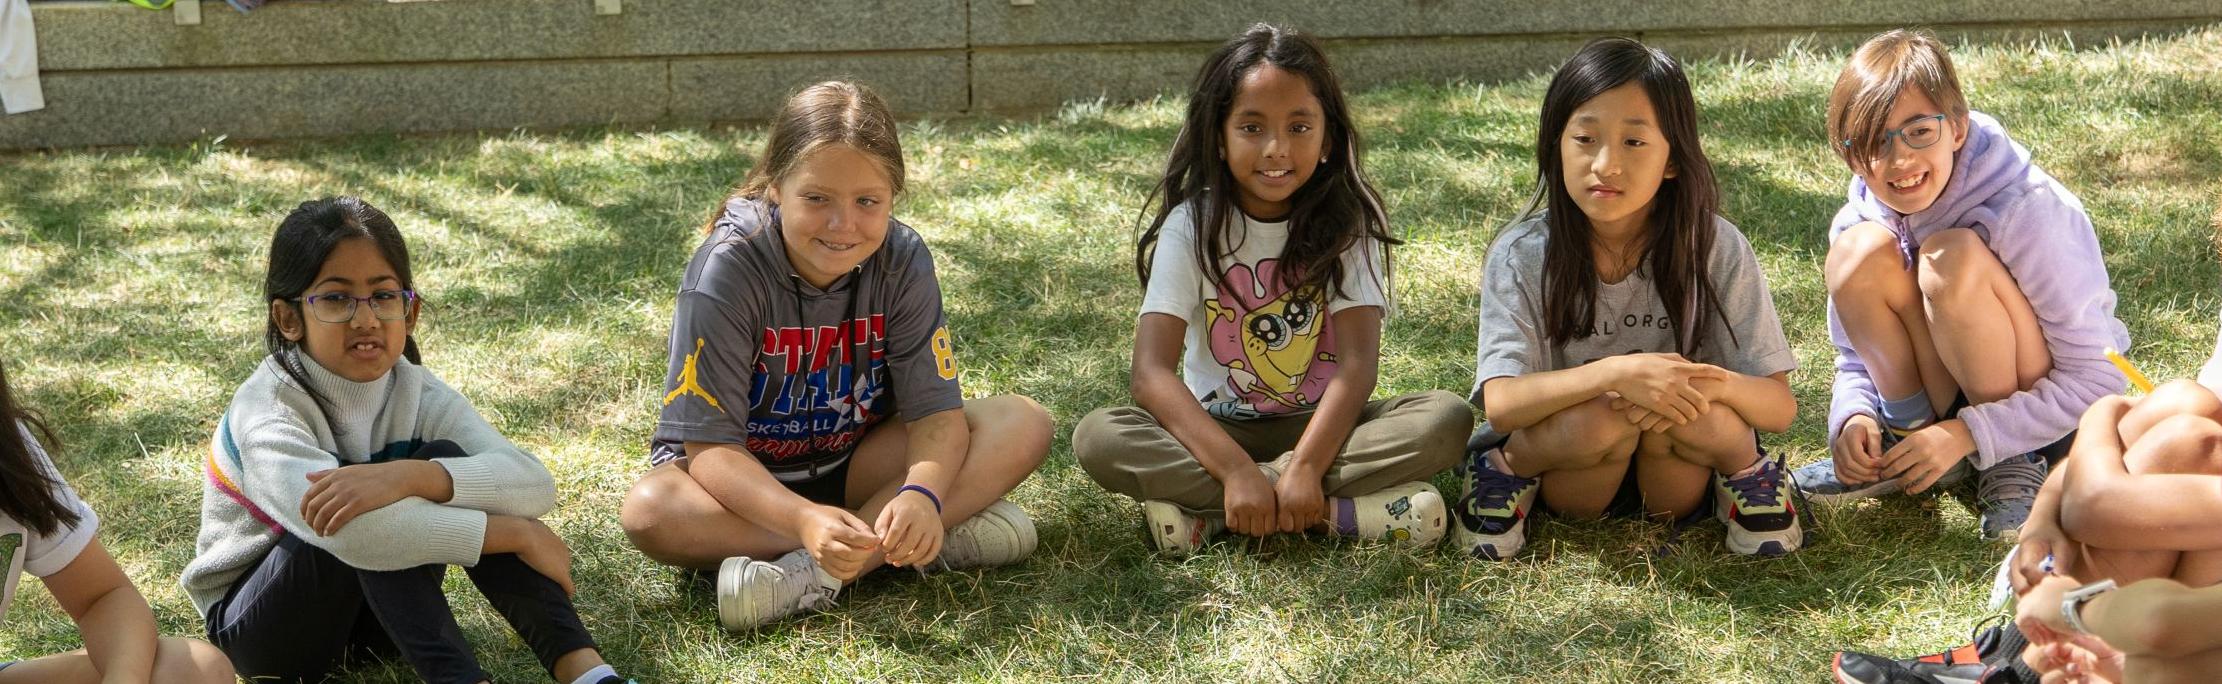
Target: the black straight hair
(1330, 214)
(304, 240)
(1679, 235)
(29, 494)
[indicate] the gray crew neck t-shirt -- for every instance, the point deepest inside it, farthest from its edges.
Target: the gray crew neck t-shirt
(1630, 318)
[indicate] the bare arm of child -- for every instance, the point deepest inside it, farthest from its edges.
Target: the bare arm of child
(2044, 549)
(539, 547)
(839, 541)
(1765, 403)
(111, 616)
(1357, 368)
(2155, 618)
(1250, 499)
(1659, 383)
(909, 526)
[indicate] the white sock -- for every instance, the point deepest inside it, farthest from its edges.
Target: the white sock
(599, 673)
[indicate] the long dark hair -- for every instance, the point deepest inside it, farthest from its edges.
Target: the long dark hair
(297, 253)
(1680, 231)
(1330, 214)
(28, 493)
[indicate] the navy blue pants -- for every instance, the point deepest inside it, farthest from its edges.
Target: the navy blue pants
(301, 612)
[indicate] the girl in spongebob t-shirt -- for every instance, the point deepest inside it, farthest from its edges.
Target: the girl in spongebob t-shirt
(1264, 272)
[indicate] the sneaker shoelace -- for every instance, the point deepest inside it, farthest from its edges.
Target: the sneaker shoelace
(1758, 489)
(1492, 491)
(2017, 479)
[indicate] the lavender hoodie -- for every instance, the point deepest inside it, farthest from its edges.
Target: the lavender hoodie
(2040, 232)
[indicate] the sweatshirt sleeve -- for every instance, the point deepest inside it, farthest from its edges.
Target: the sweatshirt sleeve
(276, 456)
(2047, 244)
(497, 478)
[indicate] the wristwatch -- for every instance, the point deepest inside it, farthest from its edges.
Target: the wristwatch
(2071, 603)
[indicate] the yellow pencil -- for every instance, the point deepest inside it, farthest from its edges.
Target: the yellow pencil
(2135, 378)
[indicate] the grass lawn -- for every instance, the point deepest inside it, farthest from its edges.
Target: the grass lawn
(129, 312)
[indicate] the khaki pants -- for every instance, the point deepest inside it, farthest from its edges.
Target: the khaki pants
(1399, 440)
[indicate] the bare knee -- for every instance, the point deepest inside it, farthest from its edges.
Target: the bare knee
(1717, 435)
(191, 661)
(1862, 256)
(1955, 265)
(649, 507)
(2176, 398)
(1017, 420)
(1587, 434)
(2179, 445)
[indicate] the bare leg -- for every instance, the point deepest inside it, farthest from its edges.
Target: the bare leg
(1585, 450)
(2171, 399)
(176, 660)
(674, 521)
(1983, 326)
(1675, 467)
(2185, 443)
(1879, 302)
(2197, 668)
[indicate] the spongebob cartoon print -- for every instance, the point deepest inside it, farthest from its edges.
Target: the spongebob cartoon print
(1275, 343)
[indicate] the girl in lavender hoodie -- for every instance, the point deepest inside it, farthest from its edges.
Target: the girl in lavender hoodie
(1967, 297)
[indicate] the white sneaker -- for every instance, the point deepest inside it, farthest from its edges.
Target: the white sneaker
(1173, 532)
(998, 535)
(753, 592)
(1411, 513)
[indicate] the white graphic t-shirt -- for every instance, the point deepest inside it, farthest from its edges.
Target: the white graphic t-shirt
(1256, 349)
(22, 550)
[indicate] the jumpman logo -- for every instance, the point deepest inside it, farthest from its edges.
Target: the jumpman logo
(689, 382)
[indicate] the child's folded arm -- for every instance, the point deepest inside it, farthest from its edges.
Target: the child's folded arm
(497, 477)
(276, 456)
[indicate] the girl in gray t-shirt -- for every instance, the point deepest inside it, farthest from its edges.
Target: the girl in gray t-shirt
(1628, 348)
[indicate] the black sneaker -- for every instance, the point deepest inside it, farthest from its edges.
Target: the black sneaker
(1993, 658)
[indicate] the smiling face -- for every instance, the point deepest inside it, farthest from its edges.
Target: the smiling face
(361, 349)
(1273, 140)
(1613, 157)
(833, 212)
(1909, 180)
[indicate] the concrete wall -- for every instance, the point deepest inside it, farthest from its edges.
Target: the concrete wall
(116, 74)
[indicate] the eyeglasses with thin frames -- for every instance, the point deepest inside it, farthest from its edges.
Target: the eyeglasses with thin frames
(385, 305)
(1917, 134)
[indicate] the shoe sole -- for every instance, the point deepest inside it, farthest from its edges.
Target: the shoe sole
(1873, 491)
(1495, 547)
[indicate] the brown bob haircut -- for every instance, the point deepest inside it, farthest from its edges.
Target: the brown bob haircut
(1883, 67)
